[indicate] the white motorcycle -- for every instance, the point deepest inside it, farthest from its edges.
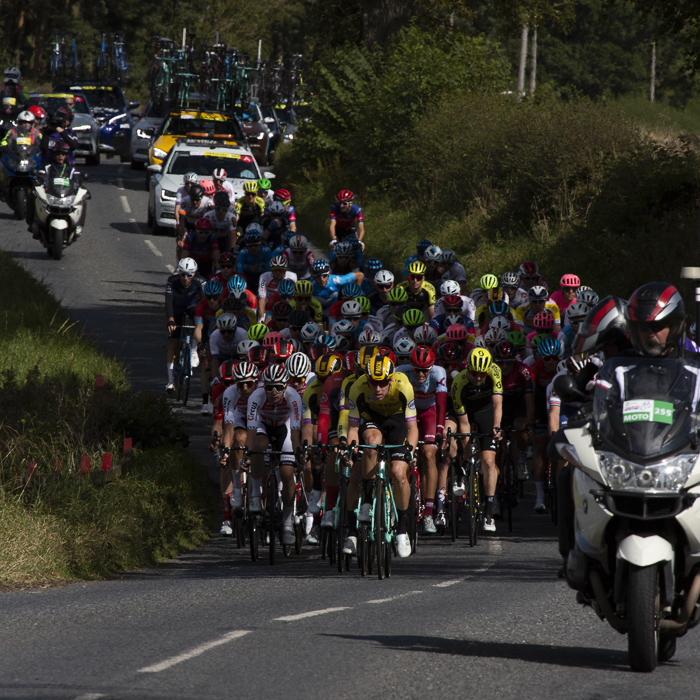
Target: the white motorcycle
(635, 486)
(59, 209)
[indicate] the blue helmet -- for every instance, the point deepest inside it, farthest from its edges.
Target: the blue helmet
(549, 347)
(498, 308)
(286, 288)
(252, 237)
(237, 284)
(423, 245)
(351, 291)
(288, 237)
(537, 293)
(373, 265)
(328, 340)
(213, 288)
(321, 267)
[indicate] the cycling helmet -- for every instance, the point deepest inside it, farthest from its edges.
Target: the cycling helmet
(351, 309)
(575, 364)
(587, 297)
(425, 335)
(495, 335)
(432, 254)
(245, 370)
(498, 309)
(510, 279)
(423, 245)
(504, 351)
(544, 321)
(25, 116)
(345, 196)
(280, 195)
(369, 338)
(233, 303)
(518, 339)
(503, 324)
(535, 344)
(227, 371)
(327, 340)
(457, 332)
(221, 200)
(286, 289)
(264, 184)
(187, 266)
(252, 238)
(384, 277)
(413, 317)
(422, 358)
(344, 248)
(570, 281)
(449, 287)
(452, 301)
(298, 242)
(373, 265)
(537, 293)
(398, 295)
(271, 339)
(279, 262)
(203, 225)
(549, 347)
(365, 304)
(297, 345)
(416, 268)
(577, 310)
(281, 310)
(250, 186)
(404, 348)
(226, 322)
(494, 294)
(529, 269)
(276, 209)
(362, 357)
(196, 192)
(219, 174)
(343, 327)
(298, 318)
(660, 304)
(275, 374)
(245, 346)
(342, 344)
(303, 288)
(310, 332)
(448, 256)
(386, 351)
(259, 355)
(227, 259)
(449, 351)
(380, 368)
(213, 288)
(479, 360)
(351, 291)
(320, 267)
(236, 284)
(254, 228)
(38, 112)
(191, 178)
(398, 313)
(281, 350)
(298, 365)
(488, 282)
(258, 331)
(327, 364)
(63, 113)
(479, 341)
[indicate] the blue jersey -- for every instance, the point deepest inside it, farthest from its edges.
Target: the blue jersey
(438, 323)
(346, 219)
(328, 295)
(367, 288)
(254, 265)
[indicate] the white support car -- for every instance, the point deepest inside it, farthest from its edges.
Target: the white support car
(201, 156)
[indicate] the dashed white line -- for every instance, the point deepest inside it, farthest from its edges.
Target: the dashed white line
(154, 250)
(125, 203)
(192, 653)
(445, 584)
(90, 696)
(311, 613)
(120, 183)
(395, 597)
(171, 268)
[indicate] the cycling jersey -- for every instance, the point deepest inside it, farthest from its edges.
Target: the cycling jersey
(289, 212)
(177, 296)
(198, 250)
(217, 401)
(519, 381)
(423, 299)
(205, 315)
(558, 299)
(524, 315)
(261, 412)
(344, 220)
(470, 398)
(311, 404)
(276, 230)
(314, 309)
(268, 284)
(430, 395)
(235, 407)
(329, 410)
(438, 323)
(180, 195)
(224, 226)
(248, 213)
(519, 298)
(192, 213)
(540, 381)
(327, 295)
(456, 273)
(253, 265)
(355, 260)
(220, 349)
(399, 401)
(227, 187)
(300, 264)
(343, 410)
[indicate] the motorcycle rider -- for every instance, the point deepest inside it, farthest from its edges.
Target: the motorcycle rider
(58, 131)
(13, 96)
(24, 129)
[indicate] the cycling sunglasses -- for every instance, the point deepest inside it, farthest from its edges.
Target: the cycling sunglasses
(343, 257)
(477, 375)
(303, 300)
(246, 383)
(221, 208)
(251, 194)
(537, 301)
(188, 275)
(225, 266)
(417, 278)
(253, 245)
(296, 328)
(321, 275)
(213, 297)
(277, 388)
(530, 277)
(385, 287)
(422, 370)
(228, 332)
(383, 383)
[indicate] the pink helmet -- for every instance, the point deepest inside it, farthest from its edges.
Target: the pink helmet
(570, 281)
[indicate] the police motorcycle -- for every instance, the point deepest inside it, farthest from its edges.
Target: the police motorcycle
(633, 484)
(18, 165)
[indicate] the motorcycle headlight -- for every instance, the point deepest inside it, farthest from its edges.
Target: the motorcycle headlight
(667, 475)
(168, 196)
(60, 201)
(160, 154)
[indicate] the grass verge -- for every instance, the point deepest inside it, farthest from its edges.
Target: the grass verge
(57, 524)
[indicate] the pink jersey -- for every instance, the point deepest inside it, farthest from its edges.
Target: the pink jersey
(558, 298)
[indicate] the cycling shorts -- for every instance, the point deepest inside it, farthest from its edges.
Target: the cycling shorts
(483, 421)
(393, 430)
(541, 428)
(427, 422)
(514, 407)
(280, 437)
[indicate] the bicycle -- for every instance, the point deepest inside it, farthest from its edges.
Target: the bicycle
(240, 520)
(415, 506)
(183, 369)
(102, 62)
(75, 65)
(508, 487)
(119, 65)
(57, 62)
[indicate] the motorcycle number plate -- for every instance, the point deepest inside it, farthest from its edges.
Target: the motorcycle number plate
(647, 411)
(24, 141)
(61, 182)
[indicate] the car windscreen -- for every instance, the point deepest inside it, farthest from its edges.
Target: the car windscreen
(186, 124)
(249, 114)
(237, 167)
(104, 97)
(51, 104)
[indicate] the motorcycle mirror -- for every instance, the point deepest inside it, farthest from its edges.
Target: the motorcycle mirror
(269, 175)
(154, 168)
(566, 389)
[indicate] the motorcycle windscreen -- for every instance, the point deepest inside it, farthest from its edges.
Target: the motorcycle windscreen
(60, 186)
(23, 151)
(646, 408)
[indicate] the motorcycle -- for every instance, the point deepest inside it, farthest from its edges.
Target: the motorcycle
(633, 495)
(18, 166)
(59, 209)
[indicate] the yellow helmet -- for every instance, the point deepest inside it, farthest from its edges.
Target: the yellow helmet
(251, 186)
(488, 282)
(416, 268)
(258, 331)
(379, 368)
(362, 357)
(479, 360)
(303, 288)
(494, 294)
(328, 364)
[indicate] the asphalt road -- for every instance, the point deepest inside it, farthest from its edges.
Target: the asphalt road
(493, 621)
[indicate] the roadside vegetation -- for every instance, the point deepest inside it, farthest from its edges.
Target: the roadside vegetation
(57, 524)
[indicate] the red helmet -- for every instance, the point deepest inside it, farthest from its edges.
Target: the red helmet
(282, 349)
(457, 332)
(529, 268)
(570, 281)
(227, 259)
(345, 196)
(38, 112)
(226, 371)
(386, 352)
(271, 338)
(315, 351)
(208, 187)
(203, 224)
(422, 358)
(452, 301)
(282, 195)
(259, 356)
(449, 351)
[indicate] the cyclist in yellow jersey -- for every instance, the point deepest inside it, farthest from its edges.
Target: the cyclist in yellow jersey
(421, 294)
(477, 397)
(382, 410)
(250, 207)
(525, 314)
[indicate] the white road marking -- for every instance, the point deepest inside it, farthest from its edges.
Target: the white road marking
(388, 600)
(171, 268)
(125, 203)
(120, 183)
(311, 613)
(192, 653)
(90, 696)
(445, 584)
(154, 250)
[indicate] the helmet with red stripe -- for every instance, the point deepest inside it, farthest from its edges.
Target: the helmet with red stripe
(604, 324)
(226, 371)
(345, 196)
(654, 308)
(422, 358)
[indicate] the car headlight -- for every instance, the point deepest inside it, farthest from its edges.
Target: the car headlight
(82, 127)
(289, 136)
(260, 136)
(140, 134)
(160, 154)
(667, 475)
(167, 195)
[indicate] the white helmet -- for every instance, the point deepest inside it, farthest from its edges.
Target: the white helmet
(500, 323)
(578, 309)
(298, 365)
(404, 348)
(479, 341)
(254, 228)
(187, 266)
(343, 327)
(425, 335)
(432, 254)
(298, 242)
(245, 345)
(384, 277)
(12, 74)
(351, 309)
(191, 178)
(227, 322)
(310, 332)
(448, 256)
(449, 287)
(493, 336)
(588, 297)
(510, 279)
(25, 117)
(369, 337)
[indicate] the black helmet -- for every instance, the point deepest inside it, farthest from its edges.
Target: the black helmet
(221, 199)
(63, 113)
(61, 147)
(655, 306)
(298, 318)
(604, 324)
(196, 192)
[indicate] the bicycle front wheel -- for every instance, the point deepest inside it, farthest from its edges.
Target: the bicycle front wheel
(380, 526)
(413, 509)
(363, 550)
(340, 525)
(473, 502)
(271, 503)
(508, 488)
